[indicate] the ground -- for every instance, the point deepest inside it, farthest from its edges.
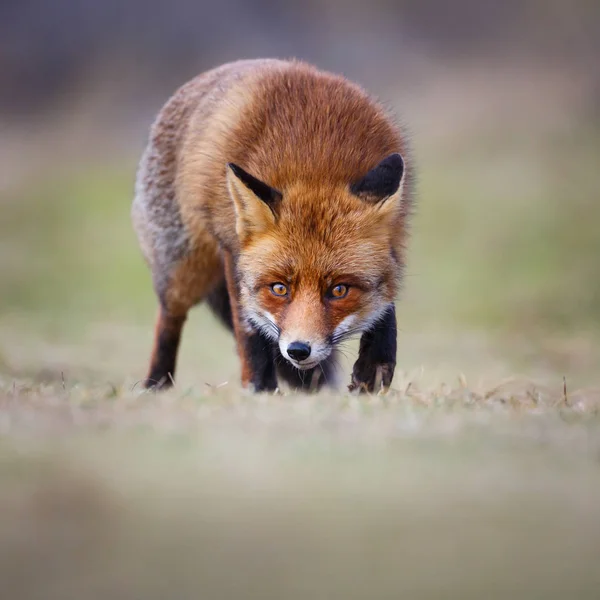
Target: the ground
(460, 489)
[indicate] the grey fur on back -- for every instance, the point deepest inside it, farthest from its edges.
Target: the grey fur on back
(155, 211)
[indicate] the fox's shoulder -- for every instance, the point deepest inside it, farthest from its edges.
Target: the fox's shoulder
(207, 88)
(289, 120)
(284, 121)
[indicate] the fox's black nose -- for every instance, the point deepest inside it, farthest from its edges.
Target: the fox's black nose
(298, 351)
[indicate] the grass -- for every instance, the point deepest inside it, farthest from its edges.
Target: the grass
(454, 485)
(463, 486)
(109, 492)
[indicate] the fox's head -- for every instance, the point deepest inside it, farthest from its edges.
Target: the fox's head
(318, 263)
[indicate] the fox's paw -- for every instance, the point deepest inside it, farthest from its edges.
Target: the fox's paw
(372, 378)
(158, 385)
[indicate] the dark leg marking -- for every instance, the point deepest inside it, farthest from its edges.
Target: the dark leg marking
(219, 303)
(261, 363)
(377, 355)
(164, 354)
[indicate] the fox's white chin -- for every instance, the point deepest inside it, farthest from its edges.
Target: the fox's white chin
(303, 366)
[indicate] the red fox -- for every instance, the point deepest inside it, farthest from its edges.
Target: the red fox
(280, 195)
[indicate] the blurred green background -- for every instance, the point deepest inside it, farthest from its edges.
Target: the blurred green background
(502, 100)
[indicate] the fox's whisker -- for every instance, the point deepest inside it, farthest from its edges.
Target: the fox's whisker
(323, 373)
(346, 334)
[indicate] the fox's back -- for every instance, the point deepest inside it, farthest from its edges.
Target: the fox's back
(156, 212)
(285, 122)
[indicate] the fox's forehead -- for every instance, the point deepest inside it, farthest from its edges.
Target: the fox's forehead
(329, 215)
(320, 234)
(316, 257)
(320, 207)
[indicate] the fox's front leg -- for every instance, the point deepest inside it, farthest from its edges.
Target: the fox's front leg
(255, 351)
(376, 362)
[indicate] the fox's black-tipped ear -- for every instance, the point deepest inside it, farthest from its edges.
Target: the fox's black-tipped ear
(255, 202)
(270, 196)
(382, 181)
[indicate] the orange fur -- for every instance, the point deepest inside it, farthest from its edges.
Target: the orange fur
(309, 135)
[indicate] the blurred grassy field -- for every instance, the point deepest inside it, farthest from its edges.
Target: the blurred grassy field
(423, 494)
(478, 476)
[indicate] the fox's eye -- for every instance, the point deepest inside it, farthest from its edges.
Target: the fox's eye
(279, 289)
(339, 291)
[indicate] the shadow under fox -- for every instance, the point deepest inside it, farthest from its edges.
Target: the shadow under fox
(280, 195)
